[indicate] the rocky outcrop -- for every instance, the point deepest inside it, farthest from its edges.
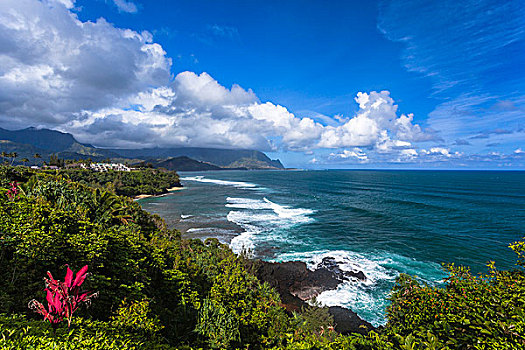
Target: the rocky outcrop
(346, 321)
(294, 278)
(331, 265)
(296, 284)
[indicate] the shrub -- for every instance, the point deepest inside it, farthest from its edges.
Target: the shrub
(63, 298)
(16, 332)
(486, 311)
(137, 317)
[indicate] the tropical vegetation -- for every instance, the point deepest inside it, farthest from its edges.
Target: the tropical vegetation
(123, 183)
(126, 183)
(157, 290)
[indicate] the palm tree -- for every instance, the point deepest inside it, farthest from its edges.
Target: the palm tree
(3, 156)
(13, 156)
(107, 208)
(24, 160)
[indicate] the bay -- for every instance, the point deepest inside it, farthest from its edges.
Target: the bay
(380, 222)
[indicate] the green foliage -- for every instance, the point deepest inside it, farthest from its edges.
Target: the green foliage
(54, 160)
(167, 282)
(18, 333)
(137, 318)
(519, 249)
(478, 312)
(9, 174)
(132, 183)
(251, 310)
(316, 318)
(158, 290)
(218, 325)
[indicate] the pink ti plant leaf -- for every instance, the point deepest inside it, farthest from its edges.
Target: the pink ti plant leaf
(63, 298)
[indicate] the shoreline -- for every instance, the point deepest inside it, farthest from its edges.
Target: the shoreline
(169, 190)
(297, 285)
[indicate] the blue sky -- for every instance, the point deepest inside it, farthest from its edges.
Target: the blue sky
(346, 84)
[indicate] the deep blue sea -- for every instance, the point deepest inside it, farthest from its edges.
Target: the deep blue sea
(380, 222)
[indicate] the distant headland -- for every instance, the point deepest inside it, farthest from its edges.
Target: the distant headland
(38, 145)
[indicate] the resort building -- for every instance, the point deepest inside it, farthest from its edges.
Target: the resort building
(102, 167)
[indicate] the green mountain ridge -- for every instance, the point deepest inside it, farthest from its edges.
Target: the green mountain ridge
(27, 142)
(182, 163)
(227, 158)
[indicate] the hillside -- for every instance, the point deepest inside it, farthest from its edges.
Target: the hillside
(49, 140)
(221, 157)
(181, 164)
(27, 142)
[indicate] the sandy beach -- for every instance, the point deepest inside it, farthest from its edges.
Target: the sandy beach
(142, 196)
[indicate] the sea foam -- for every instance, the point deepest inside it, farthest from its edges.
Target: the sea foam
(262, 221)
(367, 298)
(238, 184)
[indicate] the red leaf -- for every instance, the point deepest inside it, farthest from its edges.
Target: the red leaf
(62, 298)
(69, 277)
(80, 276)
(49, 297)
(81, 298)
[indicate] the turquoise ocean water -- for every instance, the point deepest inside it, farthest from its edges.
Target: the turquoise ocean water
(380, 222)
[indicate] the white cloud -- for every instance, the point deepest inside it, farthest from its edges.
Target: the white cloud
(113, 87)
(355, 154)
(125, 6)
(205, 91)
(519, 151)
(196, 110)
(437, 153)
(67, 3)
(52, 65)
(375, 121)
(408, 153)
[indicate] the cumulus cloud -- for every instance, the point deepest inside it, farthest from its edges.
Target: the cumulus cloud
(52, 65)
(113, 87)
(436, 153)
(376, 123)
(196, 110)
(126, 6)
(355, 154)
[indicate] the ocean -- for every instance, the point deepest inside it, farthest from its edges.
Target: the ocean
(380, 222)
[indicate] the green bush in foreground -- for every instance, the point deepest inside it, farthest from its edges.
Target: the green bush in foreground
(471, 312)
(16, 332)
(132, 256)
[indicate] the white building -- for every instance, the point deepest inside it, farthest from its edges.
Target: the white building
(102, 167)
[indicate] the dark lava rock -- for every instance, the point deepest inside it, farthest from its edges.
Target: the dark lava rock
(332, 265)
(294, 278)
(296, 284)
(347, 321)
